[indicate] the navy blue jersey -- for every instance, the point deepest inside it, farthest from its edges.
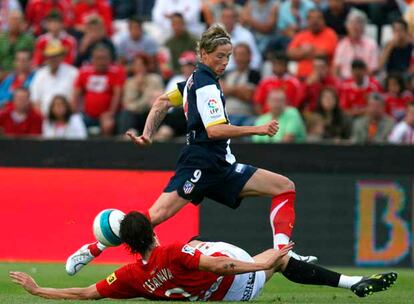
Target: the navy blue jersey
(204, 106)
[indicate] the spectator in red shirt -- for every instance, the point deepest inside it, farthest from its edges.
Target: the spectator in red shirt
(396, 96)
(84, 9)
(37, 10)
(20, 118)
(100, 86)
(55, 31)
(354, 91)
(320, 78)
(281, 78)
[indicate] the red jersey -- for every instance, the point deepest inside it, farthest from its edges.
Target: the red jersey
(67, 41)
(83, 11)
(171, 273)
(10, 124)
(290, 84)
(396, 106)
(37, 10)
(98, 88)
(313, 90)
(353, 96)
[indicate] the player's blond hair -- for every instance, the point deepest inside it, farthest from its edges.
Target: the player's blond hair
(213, 37)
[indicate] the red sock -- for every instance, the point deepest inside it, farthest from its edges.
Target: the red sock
(282, 217)
(94, 249)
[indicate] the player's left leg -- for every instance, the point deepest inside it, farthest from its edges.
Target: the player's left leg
(167, 205)
(311, 274)
(282, 213)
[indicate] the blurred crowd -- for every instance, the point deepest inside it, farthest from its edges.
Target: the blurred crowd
(337, 71)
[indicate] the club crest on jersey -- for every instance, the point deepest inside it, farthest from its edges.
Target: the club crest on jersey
(111, 278)
(188, 187)
(240, 168)
(213, 106)
(188, 249)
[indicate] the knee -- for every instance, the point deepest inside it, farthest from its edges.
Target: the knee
(159, 215)
(287, 185)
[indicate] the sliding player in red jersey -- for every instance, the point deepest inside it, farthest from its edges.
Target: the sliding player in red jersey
(206, 163)
(200, 271)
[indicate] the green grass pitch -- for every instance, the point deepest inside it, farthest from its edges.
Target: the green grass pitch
(278, 290)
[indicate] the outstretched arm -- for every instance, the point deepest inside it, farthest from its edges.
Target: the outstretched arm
(157, 114)
(227, 266)
(30, 285)
(223, 131)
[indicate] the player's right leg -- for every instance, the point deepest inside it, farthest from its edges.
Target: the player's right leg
(168, 204)
(282, 214)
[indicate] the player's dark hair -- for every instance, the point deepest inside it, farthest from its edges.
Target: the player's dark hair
(137, 233)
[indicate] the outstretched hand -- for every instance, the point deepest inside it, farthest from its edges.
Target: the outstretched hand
(24, 280)
(269, 128)
(139, 140)
(277, 255)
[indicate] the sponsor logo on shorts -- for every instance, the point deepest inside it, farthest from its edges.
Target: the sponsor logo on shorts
(111, 278)
(240, 168)
(188, 250)
(248, 291)
(188, 187)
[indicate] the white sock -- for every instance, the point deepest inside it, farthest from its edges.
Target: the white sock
(348, 281)
(280, 239)
(101, 246)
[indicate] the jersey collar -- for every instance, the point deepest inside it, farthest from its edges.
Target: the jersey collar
(202, 66)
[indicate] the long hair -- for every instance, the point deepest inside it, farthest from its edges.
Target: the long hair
(68, 111)
(213, 37)
(336, 111)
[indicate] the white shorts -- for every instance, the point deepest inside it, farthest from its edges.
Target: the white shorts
(245, 286)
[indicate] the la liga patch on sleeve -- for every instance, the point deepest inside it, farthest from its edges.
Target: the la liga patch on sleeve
(188, 250)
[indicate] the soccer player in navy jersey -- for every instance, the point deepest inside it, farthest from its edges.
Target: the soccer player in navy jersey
(200, 271)
(206, 162)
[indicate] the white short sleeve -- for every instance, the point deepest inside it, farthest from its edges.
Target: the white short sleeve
(210, 105)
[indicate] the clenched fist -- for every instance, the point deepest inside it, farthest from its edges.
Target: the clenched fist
(269, 129)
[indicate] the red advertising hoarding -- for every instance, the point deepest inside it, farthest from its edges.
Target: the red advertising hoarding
(46, 214)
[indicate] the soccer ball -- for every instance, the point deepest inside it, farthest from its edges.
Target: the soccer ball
(106, 227)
